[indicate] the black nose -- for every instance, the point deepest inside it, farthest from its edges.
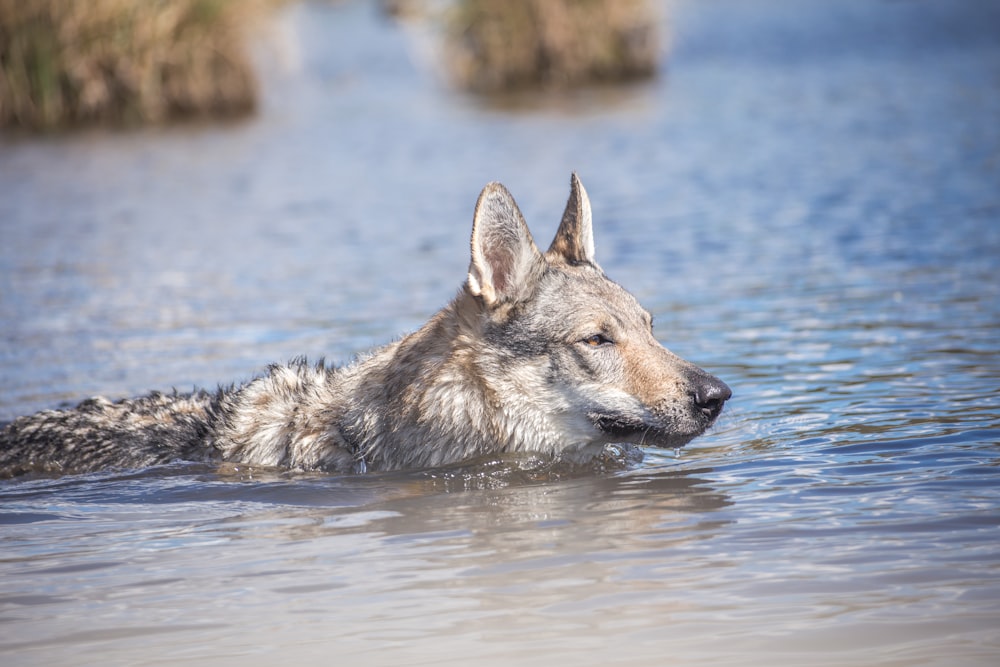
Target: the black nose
(710, 394)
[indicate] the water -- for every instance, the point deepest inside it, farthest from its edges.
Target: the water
(809, 203)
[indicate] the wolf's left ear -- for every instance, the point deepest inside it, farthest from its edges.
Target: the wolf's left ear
(574, 241)
(505, 262)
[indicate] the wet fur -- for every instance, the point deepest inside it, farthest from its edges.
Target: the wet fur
(537, 353)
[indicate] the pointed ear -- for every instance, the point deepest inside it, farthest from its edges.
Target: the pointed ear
(574, 241)
(505, 262)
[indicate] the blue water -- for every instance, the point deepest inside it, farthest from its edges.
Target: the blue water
(808, 200)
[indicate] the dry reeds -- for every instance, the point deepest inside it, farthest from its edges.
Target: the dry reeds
(503, 45)
(71, 62)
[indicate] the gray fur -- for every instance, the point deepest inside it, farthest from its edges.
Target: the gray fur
(537, 353)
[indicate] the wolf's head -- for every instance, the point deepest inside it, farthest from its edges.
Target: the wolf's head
(569, 346)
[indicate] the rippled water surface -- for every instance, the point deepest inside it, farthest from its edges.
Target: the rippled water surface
(809, 202)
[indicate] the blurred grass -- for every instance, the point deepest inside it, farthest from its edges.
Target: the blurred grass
(66, 63)
(73, 62)
(505, 45)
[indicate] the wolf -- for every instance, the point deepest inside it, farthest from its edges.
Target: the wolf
(538, 352)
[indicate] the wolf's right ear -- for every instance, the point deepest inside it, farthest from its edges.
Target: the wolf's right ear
(574, 241)
(505, 262)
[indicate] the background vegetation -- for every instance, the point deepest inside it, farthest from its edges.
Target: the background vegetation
(67, 62)
(500, 45)
(127, 62)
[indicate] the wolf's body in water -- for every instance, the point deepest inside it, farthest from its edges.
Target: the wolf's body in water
(538, 352)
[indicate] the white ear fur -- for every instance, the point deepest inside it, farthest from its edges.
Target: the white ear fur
(505, 261)
(574, 241)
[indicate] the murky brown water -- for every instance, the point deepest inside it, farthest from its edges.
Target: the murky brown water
(808, 202)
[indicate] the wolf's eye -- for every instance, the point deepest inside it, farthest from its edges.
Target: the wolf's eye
(597, 340)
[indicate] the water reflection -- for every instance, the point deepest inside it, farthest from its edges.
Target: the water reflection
(613, 505)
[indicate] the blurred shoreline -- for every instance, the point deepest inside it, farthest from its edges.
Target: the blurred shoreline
(126, 63)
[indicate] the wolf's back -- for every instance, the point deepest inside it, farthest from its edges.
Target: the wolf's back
(99, 434)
